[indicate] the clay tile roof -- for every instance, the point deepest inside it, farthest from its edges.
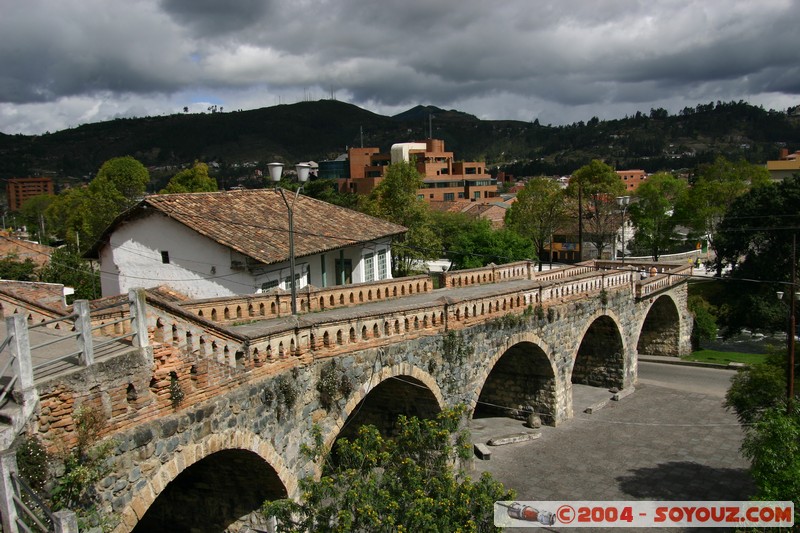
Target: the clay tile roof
(40, 254)
(46, 295)
(255, 222)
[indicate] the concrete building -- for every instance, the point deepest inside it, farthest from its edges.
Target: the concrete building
(444, 178)
(226, 243)
(786, 166)
(20, 189)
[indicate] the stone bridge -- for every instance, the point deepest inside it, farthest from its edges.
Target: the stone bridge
(208, 420)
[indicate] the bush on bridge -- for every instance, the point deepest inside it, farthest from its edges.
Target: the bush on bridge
(404, 483)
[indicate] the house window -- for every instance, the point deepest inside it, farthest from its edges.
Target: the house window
(382, 274)
(461, 195)
(369, 268)
(165, 257)
(449, 197)
(269, 285)
(476, 195)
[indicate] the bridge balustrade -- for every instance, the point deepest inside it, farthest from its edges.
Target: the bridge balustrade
(489, 274)
(331, 338)
(311, 299)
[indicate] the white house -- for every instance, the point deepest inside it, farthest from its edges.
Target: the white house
(225, 243)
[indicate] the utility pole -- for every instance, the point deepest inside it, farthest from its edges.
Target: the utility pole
(580, 222)
(792, 328)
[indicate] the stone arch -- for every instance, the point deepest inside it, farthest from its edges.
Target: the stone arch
(414, 377)
(520, 376)
(599, 357)
(192, 453)
(659, 332)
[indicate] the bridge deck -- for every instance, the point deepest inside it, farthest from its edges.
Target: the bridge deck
(48, 361)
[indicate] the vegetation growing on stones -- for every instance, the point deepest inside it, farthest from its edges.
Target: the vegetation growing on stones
(454, 349)
(286, 394)
(333, 385)
(604, 297)
(410, 482)
(176, 393)
(83, 467)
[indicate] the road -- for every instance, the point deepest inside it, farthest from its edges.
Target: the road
(672, 439)
(710, 381)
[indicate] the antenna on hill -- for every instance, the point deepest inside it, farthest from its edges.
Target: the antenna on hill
(430, 125)
(361, 128)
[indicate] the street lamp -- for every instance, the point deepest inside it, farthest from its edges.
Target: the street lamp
(623, 202)
(275, 171)
(794, 295)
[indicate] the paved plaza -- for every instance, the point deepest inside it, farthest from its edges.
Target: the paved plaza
(657, 444)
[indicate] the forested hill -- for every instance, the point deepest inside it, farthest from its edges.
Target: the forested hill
(320, 130)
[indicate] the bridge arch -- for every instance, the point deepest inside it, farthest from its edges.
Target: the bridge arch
(237, 446)
(403, 378)
(520, 376)
(660, 329)
(599, 359)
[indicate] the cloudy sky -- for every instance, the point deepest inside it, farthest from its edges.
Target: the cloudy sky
(69, 62)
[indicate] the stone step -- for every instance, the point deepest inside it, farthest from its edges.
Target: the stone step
(513, 438)
(482, 451)
(623, 393)
(595, 407)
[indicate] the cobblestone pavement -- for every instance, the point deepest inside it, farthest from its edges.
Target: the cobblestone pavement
(656, 444)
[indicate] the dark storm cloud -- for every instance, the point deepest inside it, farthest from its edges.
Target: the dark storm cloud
(212, 17)
(570, 59)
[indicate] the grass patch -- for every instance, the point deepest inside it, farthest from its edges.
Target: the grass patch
(723, 358)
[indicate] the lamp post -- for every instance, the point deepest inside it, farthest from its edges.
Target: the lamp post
(275, 171)
(623, 202)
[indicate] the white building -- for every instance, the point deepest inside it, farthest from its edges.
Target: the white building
(225, 243)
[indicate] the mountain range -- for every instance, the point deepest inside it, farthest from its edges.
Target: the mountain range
(324, 129)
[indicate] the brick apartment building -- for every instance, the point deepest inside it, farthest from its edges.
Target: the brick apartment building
(631, 179)
(444, 179)
(20, 189)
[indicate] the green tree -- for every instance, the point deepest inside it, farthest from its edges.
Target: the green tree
(405, 483)
(395, 199)
(540, 209)
(80, 215)
(127, 176)
(476, 244)
(705, 322)
(755, 238)
(12, 268)
(195, 179)
(653, 213)
(597, 185)
(67, 267)
(327, 190)
(758, 387)
(772, 444)
(716, 187)
(32, 214)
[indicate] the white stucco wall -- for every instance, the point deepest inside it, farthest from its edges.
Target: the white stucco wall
(200, 267)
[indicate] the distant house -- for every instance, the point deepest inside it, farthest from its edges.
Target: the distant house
(786, 166)
(237, 242)
(22, 250)
(495, 213)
